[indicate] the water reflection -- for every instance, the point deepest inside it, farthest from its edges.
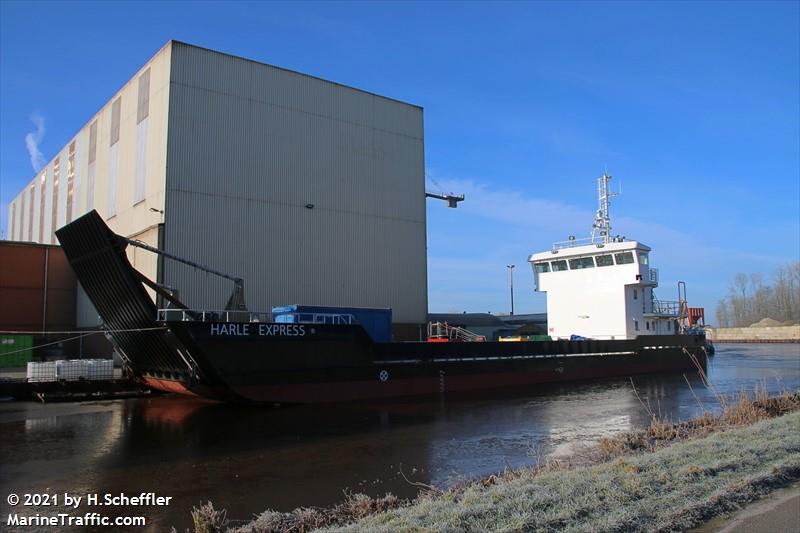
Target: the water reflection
(247, 459)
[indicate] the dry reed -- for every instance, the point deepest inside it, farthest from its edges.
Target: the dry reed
(743, 410)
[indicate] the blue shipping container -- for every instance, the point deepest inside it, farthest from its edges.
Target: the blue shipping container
(376, 322)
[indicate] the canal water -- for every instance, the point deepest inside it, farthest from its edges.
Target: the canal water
(248, 459)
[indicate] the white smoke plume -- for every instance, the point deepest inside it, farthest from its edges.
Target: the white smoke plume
(32, 141)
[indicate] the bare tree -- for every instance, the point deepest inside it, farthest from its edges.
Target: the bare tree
(723, 314)
(750, 299)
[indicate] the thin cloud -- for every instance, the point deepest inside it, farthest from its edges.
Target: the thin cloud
(513, 208)
(33, 140)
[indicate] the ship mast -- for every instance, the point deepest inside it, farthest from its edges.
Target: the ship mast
(602, 219)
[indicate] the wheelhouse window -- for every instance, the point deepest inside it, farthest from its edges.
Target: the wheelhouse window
(541, 267)
(558, 266)
(624, 258)
(604, 260)
(643, 260)
(581, 262)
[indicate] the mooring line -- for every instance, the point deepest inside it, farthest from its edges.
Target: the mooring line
(79, 331)
(83, 334)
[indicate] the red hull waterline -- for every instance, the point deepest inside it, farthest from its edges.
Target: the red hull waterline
(178, 387)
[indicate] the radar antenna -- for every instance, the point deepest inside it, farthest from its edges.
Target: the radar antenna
(602, 219)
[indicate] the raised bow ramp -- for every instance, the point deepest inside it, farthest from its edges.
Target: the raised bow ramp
(154, 355)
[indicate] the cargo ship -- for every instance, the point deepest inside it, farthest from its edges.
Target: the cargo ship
(603, 321)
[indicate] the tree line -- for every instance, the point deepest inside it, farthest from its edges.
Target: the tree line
(750, 298)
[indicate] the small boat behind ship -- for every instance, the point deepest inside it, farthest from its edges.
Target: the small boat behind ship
(600, 292)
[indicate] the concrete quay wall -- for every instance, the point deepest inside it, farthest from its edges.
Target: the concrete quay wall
(755, 334)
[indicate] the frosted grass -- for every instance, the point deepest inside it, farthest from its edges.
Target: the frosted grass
(672, 489)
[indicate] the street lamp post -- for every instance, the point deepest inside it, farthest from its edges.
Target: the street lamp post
(511, 284)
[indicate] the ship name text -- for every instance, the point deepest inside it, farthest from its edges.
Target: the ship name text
(261, 330)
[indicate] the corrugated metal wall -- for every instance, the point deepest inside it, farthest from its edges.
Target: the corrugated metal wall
(37, 287)
(130, 213)
(250, 146)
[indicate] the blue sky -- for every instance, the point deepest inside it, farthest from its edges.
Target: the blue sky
(694, 107)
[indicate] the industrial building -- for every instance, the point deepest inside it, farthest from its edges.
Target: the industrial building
(38, 290)
(311, 191)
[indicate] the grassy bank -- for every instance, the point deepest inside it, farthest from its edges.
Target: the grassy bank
(662, 478)
(674, 488)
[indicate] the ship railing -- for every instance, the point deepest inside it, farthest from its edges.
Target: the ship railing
(666, 308)
(316, 318)
(573, 243)
(442, 330)
(204, 315)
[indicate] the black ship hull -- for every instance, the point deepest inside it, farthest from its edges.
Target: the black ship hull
(307, 363)
(341, 363)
